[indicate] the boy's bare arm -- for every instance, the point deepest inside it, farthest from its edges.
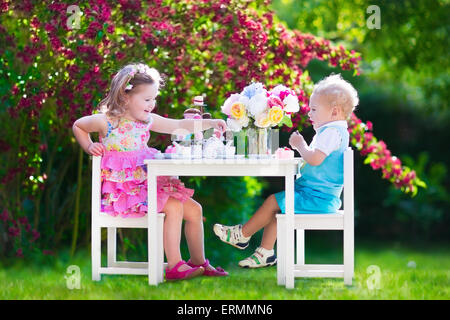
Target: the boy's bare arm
(313, 157)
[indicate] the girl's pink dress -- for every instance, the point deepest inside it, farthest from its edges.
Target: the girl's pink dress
(124, 174)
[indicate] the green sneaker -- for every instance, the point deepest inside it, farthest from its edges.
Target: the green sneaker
(260, 258)
(232, 235)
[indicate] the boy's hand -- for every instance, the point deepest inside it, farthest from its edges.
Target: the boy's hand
(219, 124)
(296, 140)
(96, 149)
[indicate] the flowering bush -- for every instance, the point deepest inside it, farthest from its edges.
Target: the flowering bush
(264, 108)
(379, 157)
(56, 63)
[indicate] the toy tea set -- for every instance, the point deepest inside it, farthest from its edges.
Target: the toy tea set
(210, 144)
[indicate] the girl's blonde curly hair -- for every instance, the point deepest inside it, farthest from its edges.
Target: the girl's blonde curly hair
(125, 82)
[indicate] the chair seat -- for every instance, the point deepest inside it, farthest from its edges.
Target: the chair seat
(105, 220)
(317, 221)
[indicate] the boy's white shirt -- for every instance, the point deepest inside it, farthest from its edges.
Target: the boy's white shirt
(329, 139)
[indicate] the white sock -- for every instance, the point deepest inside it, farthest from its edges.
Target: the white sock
(266, 253)
(241, 235)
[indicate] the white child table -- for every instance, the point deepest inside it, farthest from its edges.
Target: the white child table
(219, 167)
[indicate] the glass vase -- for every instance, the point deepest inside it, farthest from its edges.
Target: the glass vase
(240, 141)
(263, 142)
(273, 140)
(252, 143)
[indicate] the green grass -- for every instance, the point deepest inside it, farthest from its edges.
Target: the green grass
(429, 279)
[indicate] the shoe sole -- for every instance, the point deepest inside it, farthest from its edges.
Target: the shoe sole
(231, 244)
(236, 246)
(268, 264)
(259, 266)
(194, 274)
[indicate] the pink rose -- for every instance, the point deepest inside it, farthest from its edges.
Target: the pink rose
(274, 101)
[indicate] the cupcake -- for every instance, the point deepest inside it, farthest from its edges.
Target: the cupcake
(284, 153)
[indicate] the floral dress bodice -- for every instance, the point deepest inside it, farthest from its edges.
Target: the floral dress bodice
(128, 135)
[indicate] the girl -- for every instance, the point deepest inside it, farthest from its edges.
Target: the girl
(320, 185)
(123, 126)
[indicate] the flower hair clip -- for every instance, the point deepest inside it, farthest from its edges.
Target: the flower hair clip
(140, 68)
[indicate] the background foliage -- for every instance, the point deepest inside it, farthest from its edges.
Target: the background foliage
(52, 73)
(403, 87)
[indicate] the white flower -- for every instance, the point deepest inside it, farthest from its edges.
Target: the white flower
(262, 120)
(237, 125)
(226, 108)
(234, 125)
(244, 100)
(129, 87)
(257, 104)
(291, 103)
(244, 121)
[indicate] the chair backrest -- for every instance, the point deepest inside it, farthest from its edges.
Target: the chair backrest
(348, 182)
(348, 193)
(96, 185)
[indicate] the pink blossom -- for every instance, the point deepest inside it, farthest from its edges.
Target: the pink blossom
(4, 216)
(35, 235)
(13, 232)
(274, 101)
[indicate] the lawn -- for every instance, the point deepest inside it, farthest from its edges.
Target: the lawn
(404, 273)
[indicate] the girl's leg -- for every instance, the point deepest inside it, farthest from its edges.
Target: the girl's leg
(172, 232)
(193, 230)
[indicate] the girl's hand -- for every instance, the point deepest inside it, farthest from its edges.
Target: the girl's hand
(296, 140)
(219, 124)
(96, 149)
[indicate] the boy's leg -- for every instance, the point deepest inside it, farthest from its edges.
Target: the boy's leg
(239, 236)
(263, 217)
(270, 234)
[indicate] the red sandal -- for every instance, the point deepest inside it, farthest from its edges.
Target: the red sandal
(174, 274)
(216, 272)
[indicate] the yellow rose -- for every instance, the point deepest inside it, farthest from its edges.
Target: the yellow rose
(263, 120)
(275, 115)
(237, 110)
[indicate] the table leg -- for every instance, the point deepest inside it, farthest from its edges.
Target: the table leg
(289, 234)
(152, 230)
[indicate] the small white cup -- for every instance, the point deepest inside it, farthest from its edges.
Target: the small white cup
(230, 151)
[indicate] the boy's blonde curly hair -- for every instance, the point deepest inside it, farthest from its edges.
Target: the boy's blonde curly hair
(338, 93)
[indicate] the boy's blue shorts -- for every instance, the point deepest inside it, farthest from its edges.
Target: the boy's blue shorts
(307, 201)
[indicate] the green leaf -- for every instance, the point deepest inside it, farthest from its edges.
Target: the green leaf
(369, 159)
(286, 121)
(421, 183)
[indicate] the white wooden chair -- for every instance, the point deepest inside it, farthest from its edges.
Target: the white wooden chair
(103, 220)
(341, 220)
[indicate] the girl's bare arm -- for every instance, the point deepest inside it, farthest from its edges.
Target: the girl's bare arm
(83, 126)
(184, 126)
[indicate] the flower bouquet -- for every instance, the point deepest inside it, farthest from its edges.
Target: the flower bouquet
(259, 110)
